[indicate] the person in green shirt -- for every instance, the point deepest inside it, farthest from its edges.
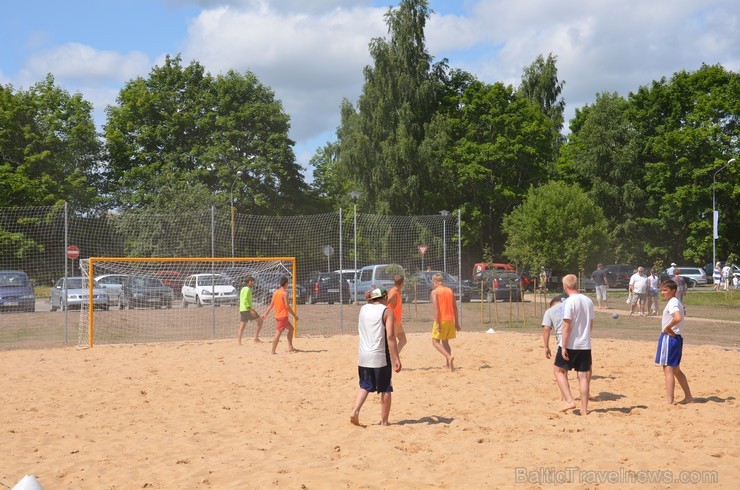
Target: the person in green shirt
(247, 312)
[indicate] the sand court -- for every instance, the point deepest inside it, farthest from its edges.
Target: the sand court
(218, 415)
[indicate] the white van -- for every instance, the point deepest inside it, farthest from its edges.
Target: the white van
(376, 276)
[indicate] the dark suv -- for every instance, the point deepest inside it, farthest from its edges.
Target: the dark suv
(144, 292)
(324, 287)
(619, 275)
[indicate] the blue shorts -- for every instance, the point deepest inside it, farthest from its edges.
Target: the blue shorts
(376, 379)
(670, 350)
(580, 360)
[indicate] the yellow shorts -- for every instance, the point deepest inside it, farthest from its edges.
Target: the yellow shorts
(445, 331)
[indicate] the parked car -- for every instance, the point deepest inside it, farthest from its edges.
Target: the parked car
(266, 283)
(324, 287)
(619, 275)
(419, 286)
(492, 285)
(16, 292)
(482, 266)
(208, 289)
(145, 292)
(74, 293)
(692, 275)
(172, 279)
(376, 276)
(349, 275)
(235, 275)
(113, 284)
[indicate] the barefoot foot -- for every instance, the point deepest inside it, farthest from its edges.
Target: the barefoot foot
(570, 406)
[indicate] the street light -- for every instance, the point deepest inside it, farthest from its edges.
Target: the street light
(715, 215)
(354, 195)
(239, 174)
(444, 214)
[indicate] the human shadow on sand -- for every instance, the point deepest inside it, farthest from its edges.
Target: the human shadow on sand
(431, 420)
(713, 399)
(617, 409)
(606, 397)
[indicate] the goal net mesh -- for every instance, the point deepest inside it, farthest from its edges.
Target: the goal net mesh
(37, 242)
(155, 300)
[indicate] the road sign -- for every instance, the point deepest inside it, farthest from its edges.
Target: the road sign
(423, 249)
(328, 250)
(73, 252)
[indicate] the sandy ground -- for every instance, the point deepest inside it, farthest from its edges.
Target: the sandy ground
(217, 415)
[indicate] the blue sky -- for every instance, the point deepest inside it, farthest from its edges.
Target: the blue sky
(312, 52)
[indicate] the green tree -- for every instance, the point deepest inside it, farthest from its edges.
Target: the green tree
(181, 128)
(604, 151)
(488, 148)
(540, 85)
(689, 127)
(557, 226)
(379, 141)
(49, 149)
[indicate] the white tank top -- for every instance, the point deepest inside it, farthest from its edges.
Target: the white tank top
(372, 351)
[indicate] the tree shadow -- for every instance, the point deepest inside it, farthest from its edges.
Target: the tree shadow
(431, 420)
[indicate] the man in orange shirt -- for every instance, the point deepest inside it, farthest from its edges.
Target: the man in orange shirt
(282, 309)
(395, 303)
(446, 321)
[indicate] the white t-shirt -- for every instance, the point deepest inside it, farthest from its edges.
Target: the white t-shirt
(639, 283)
(372, 346)
(726, 272)
(653, 282)
(580, 309)
(673, 305)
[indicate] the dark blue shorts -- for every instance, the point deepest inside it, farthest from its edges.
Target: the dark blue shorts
(376, 379)
(580, 360)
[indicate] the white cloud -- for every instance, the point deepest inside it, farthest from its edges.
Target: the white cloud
(311, 61)
(80, 64)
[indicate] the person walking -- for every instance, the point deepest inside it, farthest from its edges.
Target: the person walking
(446, 321)
(602, 285)
(247, 312)
(282, 309)
(377, 354)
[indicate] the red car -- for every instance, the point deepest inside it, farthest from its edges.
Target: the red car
(172, 279)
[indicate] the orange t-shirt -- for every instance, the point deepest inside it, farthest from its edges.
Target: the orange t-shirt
(278, 301)
(445, 303)
(398, 309)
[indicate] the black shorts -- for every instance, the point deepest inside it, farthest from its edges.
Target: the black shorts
(376, 379)
(580, 360)
(245, 316)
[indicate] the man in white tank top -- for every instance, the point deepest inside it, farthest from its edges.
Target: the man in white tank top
(377, 354)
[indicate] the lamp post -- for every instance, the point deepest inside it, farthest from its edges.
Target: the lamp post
(239, 174)
(444, 214)
(715, 216)
(354, 195)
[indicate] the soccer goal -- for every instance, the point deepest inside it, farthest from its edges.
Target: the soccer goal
(137, 300)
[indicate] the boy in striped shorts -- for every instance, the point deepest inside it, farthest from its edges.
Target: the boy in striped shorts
(670, 344)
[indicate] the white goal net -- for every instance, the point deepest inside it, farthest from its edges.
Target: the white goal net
(167, 299)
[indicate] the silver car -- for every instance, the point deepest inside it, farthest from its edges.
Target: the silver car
(74, 293)
(112, 283)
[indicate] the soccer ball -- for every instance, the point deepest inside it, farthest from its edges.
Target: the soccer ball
(615, 315)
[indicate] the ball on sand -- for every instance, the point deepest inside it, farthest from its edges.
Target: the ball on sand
(615, 315)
